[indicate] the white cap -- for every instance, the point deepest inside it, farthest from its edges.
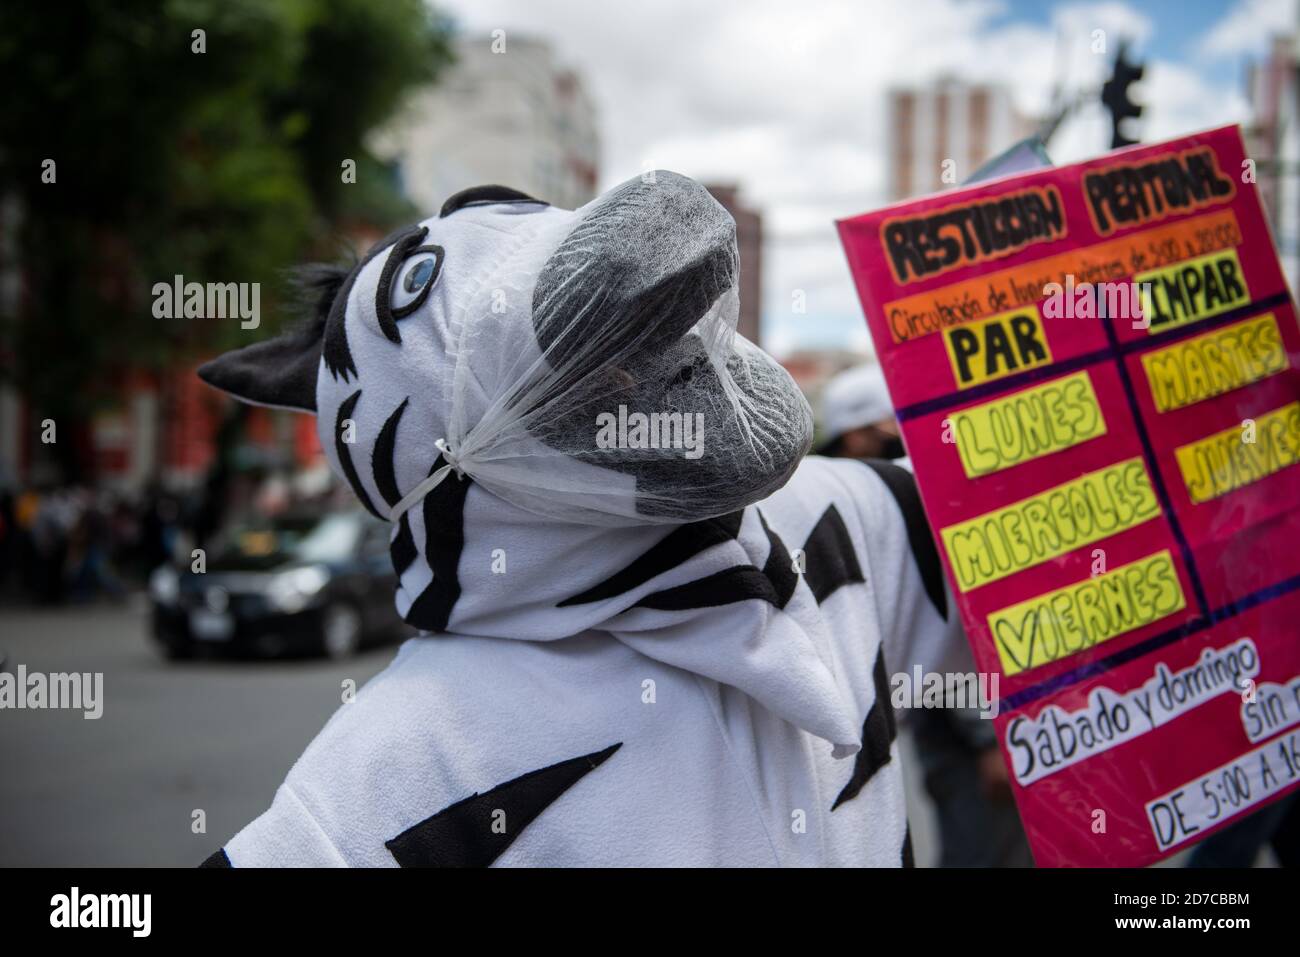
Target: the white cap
(855, 398)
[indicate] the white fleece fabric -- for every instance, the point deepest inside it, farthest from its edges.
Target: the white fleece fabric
(643, 652)
(728, 719)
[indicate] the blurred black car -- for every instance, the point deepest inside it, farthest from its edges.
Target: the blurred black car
(317, 584)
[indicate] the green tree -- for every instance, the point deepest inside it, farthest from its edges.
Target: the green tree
(222, 165)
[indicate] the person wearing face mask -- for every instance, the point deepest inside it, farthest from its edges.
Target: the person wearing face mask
(964, 774)
(858, 417)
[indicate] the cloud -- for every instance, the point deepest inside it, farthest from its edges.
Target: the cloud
(1181, 101)
(1248, 26)
(788, 101)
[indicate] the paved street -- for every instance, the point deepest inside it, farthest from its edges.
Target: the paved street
(174, 737)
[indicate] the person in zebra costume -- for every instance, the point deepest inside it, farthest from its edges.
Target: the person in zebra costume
(652, 631)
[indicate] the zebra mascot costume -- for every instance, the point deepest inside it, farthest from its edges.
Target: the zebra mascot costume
(651, 631)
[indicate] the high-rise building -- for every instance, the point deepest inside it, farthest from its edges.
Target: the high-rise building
(749, 240)
(1273, 142)
(507, 112)
(949, 126)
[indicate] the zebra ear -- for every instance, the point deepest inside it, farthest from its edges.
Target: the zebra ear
(281, 372)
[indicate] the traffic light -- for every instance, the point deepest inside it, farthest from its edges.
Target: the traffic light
(1115, 96)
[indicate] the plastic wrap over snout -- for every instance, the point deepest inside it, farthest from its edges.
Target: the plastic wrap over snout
(639, 270)
(622, 394)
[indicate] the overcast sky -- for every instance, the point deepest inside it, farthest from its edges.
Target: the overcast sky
(787, 99)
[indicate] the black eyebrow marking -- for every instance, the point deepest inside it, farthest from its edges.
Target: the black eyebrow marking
(403, 247)
(485, 196)
(381, 457)
(335, 351)
(345, 456)
(338, 357)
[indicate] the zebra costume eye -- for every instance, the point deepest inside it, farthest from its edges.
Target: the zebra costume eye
(415, 279)
(410, 273)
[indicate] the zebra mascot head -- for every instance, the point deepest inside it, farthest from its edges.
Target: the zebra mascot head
(581, 365)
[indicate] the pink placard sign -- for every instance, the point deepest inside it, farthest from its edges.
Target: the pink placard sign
(1095, 369)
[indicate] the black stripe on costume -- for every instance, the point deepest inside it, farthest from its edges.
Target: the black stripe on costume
(342, 449)
(878, 733)
(902, 485)
(382, 464)
(403, 550)
(463, 835)
(680, 545)
(779, 567)
(217, 858)
(774, 584)
(830, 560)
(730, 585)
(906, 857)
(444, 540)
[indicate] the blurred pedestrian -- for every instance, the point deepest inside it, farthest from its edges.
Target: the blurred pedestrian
(858, 418)
(90, 551)
(56, 515)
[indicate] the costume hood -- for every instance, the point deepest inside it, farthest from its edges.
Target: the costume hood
(556, 413)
